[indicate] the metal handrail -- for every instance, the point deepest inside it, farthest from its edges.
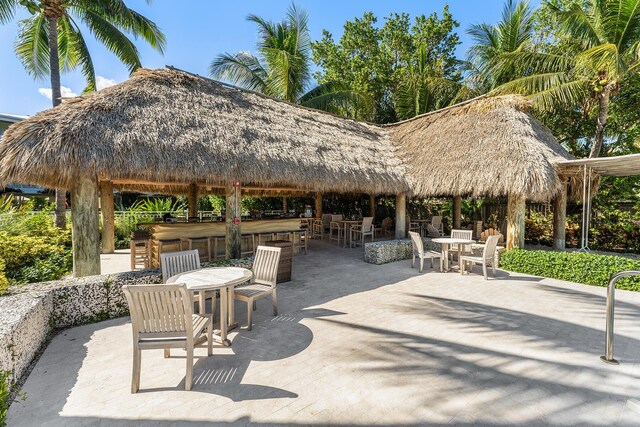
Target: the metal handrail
(608, 354)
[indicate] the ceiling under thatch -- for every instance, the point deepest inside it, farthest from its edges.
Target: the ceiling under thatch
(163, 129)
(173, 127)
(489, 146)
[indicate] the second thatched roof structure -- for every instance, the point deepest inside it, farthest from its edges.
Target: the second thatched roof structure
(485, 147)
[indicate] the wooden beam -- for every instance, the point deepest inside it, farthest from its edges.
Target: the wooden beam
(318, 201)
(401, 213)
(516, 210)
(372, 205)
(560, 218)
(107, 209)
(285, 205)
(85, 229)
(249, 187)
(232, 230)
(193, 199)
(457, 212)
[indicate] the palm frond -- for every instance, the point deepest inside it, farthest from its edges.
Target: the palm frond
(8, 10)
(32, 46)
(80, 50)
(337, 98)
(242, 69)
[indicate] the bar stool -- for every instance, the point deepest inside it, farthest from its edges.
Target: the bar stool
(246, 245)
(140, 250)
(205, 254)
(174, 245)
(217, 243)
(300, 240)
(261, 239)
(282, 235)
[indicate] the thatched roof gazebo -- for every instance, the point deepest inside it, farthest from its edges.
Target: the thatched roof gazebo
(485, 147)
(173, 132)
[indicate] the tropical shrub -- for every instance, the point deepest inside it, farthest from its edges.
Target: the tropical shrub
(580, 267)
(4, 282)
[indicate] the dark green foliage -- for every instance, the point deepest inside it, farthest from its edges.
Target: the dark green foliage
(580, 267)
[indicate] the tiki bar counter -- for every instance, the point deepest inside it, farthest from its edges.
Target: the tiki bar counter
(209, 236)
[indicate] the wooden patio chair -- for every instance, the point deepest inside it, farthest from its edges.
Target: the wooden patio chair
(359, 232)
(488, 257)
(420, 253)
(162, 318)
(385, 227)
(338, 227)
(412, 226)
(263, 282)
(460, 234)
(432, 231)
(436, 221)
(173, 263)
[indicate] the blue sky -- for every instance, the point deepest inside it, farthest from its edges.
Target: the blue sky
(197, 30)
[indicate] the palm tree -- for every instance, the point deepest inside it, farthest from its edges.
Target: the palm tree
(605, 41)
(514, 32)
(422, 88)
(282, 69)
(50, 40)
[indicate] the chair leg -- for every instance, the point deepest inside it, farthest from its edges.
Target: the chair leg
(421, 263)
(255, 305)
(461, 267)
(249, 315)
(135, 377)
(484, 270)
(413, 260)
(189, 377)
(274, 302)
(431, 261)
(167, 353)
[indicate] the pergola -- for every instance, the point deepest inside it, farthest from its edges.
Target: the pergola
(172, 132)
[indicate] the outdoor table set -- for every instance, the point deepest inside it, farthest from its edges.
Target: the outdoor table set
(446, 243)
(215, 279)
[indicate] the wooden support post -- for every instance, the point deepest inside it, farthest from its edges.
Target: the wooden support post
(372, 205)
(401, 213)
(232, 229)
(318, 205)
(560, 218)
(516, 210)
(108, 217)
(85, 228)
(457, 212)
(193, 199)
(285, 205)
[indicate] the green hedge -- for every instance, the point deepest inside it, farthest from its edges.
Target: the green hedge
(580, 267)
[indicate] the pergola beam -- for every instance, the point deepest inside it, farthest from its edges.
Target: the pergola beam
(401, 216)
(516, 211)
(233, 235)
(457, 212)
(107, 209)
(560, 218)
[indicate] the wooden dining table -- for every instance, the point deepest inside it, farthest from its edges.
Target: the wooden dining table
(445, 243)
(214, 279)
(348, 224)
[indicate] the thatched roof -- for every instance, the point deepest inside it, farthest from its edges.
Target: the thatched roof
(163, 129)
(489, 146)
(170, 127)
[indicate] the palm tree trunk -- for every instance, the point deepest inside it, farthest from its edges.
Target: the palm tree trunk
(56, 97)
(603, 112)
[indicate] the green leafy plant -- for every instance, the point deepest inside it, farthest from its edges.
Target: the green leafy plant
(580, 267)
(159, 205)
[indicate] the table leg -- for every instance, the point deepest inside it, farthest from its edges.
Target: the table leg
(232, 310)
(202, 298)
(224, 305)
(445, 255)
(460, 257)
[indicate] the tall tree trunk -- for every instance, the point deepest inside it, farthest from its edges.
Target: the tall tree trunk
(56, 97)
(603, 112)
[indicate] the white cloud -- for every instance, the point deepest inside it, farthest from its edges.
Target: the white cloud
(103, 82)
(64, 91)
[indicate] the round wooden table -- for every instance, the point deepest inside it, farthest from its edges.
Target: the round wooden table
(214, 279)
(446, 242)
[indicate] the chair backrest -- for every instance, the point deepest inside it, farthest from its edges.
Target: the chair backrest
(436, 221)
(337, 217)
(387, 223)
(265, 265)
(173, 263)
(432, 231)
(326, 219)
(367, 223)
(157, 309)
(416, 242)
(489, 251)
(461, 234)
(491, 232)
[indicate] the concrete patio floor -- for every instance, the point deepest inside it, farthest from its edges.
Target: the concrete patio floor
(358, 344)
